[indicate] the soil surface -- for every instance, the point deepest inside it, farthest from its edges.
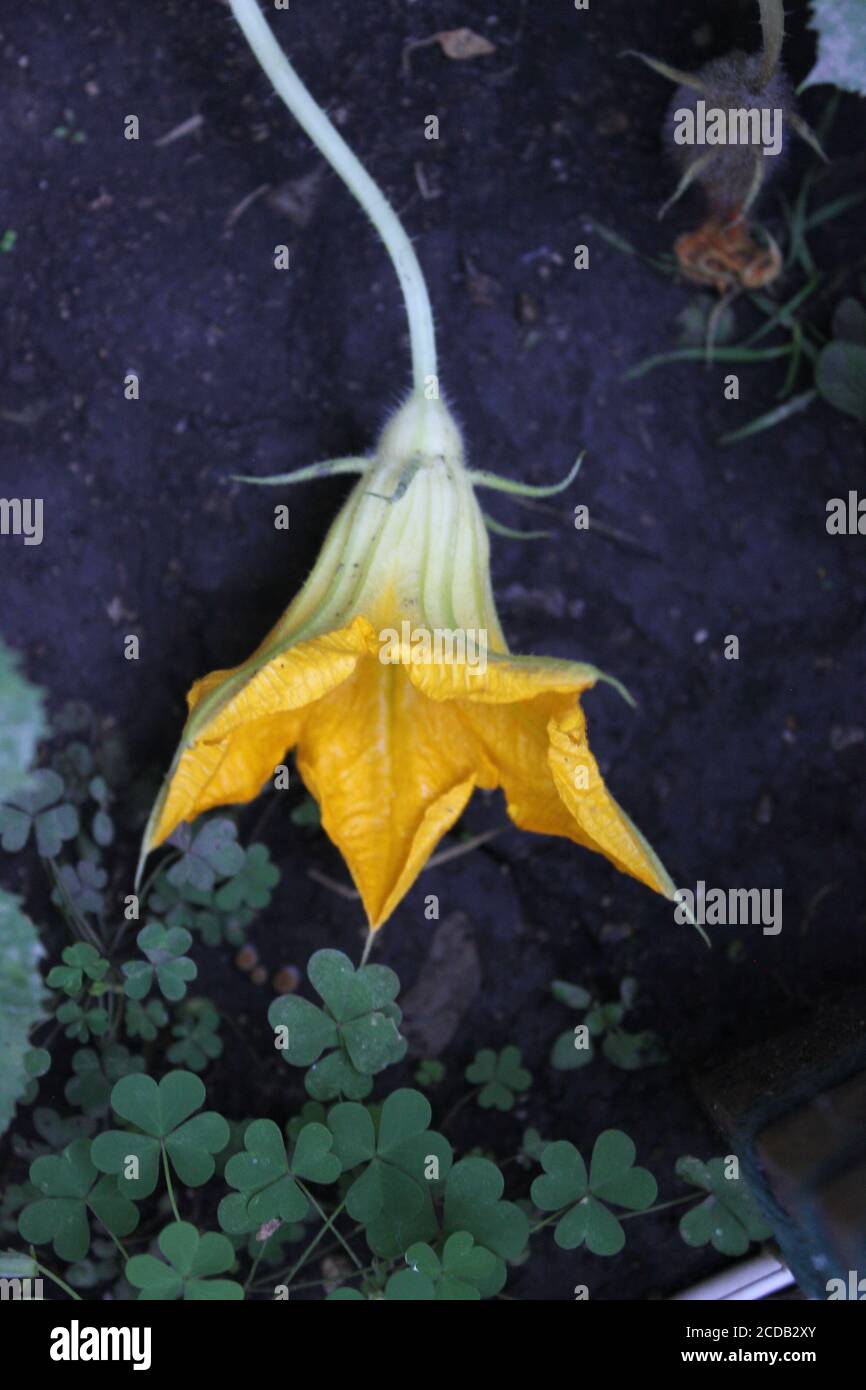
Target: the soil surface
(156, 257)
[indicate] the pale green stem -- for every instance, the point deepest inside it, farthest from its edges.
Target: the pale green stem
(168, 1182)
(328, 140)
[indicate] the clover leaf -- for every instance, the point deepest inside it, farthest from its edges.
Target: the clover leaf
(575, 1048)
(36, 1063)
(102, 826)
(188, 907)
(359, 1021)
(73, 1191)
(160, 1115)
(429, 1072)
(208, 854)
(90, 1087)
(80, 1023)
(266, 1179)
(473, 1204)
(81, 961)
(167, 963)
(144, 1020)
(462, 1272)
(401, 1156)
(191, 1259)
(35, 806)
(729, 1218)
(500, 1075)
(197, 1037)
(253, 883)
(82, 886)
(612, 1178)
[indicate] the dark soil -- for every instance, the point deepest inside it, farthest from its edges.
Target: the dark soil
(742, 773)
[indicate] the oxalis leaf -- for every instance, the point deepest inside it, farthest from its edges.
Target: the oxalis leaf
(359, 1021)
(35, 806)
(500, 1076)
(166, 963)
(729, 1218)
(462, 1272)
(187, 1269)
(612, 1179)
(403, 1160)
(265, 1177)
(208, 854)
(160, 1115)
(73, 1191)
(22, 1001)
(473, 1204)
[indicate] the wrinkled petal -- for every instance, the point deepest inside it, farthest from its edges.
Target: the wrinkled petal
(503, 680)
(602, 823)
(552, 783)
(391, 771)
(243, 722)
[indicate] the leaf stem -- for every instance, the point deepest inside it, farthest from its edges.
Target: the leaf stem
(168, 1181)
(345, 1244)
(43, 1269)
(299, 1264)
(331, 144)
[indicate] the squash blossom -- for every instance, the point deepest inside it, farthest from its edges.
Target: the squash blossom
(391, 678)
(389, 675)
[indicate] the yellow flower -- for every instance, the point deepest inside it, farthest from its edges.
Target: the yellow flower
(390, 677)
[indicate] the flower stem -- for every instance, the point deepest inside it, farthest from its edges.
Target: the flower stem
(331, 144)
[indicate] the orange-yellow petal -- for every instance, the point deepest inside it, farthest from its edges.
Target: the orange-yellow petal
(391, 771)
(601, 823)
(243, 722)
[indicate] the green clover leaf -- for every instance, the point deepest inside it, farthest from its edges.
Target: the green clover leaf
(266, 1180)
(188, 907)
(402, 1158)
(190, 1261)
(197, 1037)
(575, 1048)
(144, 1020)
(473, 1203)
(80, 962)
(72, 1191)
(90, 1087)
(500, 1075)
(32, 806)
(208, 854)
(253, 884)
(82, 886)
(463, 1271)
(167, 963)
(360, 1021)
(613, 1178)
(73, 764)
(729, 1218)
(160, 1115)
(429, 1072)
(80, 1023)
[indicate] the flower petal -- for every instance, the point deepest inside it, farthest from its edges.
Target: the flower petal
(552, 784)
(603, 825)
(243, 722)
(391, 772)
